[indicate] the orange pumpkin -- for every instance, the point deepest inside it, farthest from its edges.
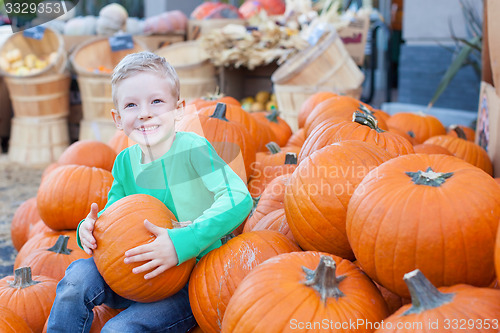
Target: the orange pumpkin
(497, 251)
(297, 289)
(44, 241)
(464, 149)
(91, 153)
(218, 273)
(310, 103)
(339, 107)
(274, 163)
(235, 113)
(394, 302)
(266, 133)
(25, 217)
(417, 207)
(408, 136)
(200, 103)
(19, 291)
(49, 169)
(319, 190)
(65, 195)
(53, 261)
(120, 228)
(230, 139)
(418, 125)
(461, 131)
(120, 141)
(280, 128)
(39, 228)
(271, 199)
(379, 115)
(427, 148)
(363, 127)
(449, 309)
(319, 137)
(10, 322)
(297, 139)
(275, 220)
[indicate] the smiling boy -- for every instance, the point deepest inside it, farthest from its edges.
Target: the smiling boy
(179, 168)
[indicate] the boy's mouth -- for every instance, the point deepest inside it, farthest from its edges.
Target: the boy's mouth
(148, 128)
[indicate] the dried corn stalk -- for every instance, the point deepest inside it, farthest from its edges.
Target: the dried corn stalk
(237, 46)
(303, 23)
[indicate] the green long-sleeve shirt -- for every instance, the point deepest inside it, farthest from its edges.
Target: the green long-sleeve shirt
(194, 183)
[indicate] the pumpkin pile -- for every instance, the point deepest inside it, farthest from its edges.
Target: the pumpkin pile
(359, 217)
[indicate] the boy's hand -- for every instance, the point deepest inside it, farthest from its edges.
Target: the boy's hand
(87, 228)
(159, 254)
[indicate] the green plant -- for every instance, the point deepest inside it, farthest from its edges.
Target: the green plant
(466, 51)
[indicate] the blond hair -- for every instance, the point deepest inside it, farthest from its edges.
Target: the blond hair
(144, 62)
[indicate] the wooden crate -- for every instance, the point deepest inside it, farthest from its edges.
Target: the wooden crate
(242, 82)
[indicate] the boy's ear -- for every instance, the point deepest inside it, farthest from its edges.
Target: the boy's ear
(117, 119)
(179, 111)
(181, 103)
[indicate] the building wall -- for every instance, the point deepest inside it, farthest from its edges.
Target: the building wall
(424, 59)
(428, 21)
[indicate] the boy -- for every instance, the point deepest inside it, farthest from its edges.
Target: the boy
(179, 168)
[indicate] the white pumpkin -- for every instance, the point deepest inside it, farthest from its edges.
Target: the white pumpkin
(112, 18)
(135, 26)
(81, 26)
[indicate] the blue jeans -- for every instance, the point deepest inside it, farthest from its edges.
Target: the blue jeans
(83, 287)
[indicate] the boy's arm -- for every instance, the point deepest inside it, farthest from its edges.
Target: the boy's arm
(232, 204)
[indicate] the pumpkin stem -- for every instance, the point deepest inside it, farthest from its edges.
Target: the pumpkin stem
(291, 158)
(61, 245)
(324, 279)
(220, 112)
(460, 132)
(227, 238)
(22, 278)
(273, 147)
(367, 120)
(429, 177)
(364, 109)
(411, 134)
(273, 116)
(215, 96)
(424, 296)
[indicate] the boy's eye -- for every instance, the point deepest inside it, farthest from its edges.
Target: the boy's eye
(156, 101)
(129, 105)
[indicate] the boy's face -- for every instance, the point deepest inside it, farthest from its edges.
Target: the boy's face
(147, 109)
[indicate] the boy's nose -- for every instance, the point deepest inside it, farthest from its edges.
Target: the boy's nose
(145, 113)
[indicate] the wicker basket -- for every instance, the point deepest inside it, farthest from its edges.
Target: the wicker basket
(325, 66)
(46, 95)
(51, 42)
(38, 140)
(95, 87)
(196, 73)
